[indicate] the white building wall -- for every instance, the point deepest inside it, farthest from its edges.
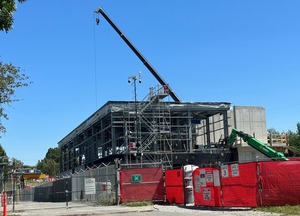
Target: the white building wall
(250, 120)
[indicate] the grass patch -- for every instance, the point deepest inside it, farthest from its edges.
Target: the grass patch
(106, 200)
(137, 204)
(286, 210)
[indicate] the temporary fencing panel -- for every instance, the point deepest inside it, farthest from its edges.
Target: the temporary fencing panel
(53, 191)
(102, 186)
(271, 183)
(141, 184)
(248, 185)
(94, 184)
(26, 194)
(294, 159)
(239, 185)
(174, 186)
(207, 187)
(280, 183)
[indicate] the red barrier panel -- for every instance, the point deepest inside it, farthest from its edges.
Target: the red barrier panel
(280, 183)
(174, 186)
(143, 184)
(271, 183)
(239, 184)
(207, 187)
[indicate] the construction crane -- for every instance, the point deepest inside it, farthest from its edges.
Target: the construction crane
(256, 144)
(138, 54)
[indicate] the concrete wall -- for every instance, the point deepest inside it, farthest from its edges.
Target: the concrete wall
(251, 120)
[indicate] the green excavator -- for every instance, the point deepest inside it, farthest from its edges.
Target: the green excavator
(256, 144)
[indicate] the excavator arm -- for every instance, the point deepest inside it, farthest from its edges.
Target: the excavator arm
(256, 144)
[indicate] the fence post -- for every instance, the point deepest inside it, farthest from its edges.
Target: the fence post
(259, 183)
(117, 182)
(67, 204)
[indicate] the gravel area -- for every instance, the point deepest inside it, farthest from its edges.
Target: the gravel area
(84, 209)
(159, 210)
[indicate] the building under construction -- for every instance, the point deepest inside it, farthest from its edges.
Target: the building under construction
(148, 133)
(157, 132)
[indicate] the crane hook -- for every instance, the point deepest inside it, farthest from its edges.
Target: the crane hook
(97, 21)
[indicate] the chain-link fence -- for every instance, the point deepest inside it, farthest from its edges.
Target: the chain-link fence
(105, 179)
(97, 184)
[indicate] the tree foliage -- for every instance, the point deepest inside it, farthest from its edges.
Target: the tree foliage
(2, 152)
(7, 10)
(294, 141)
(50, 164)
(11, 79)
(3, 168)
(16, 164)
(10, 76)
(272, 131)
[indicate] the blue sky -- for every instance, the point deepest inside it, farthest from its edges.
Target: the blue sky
(243, 52)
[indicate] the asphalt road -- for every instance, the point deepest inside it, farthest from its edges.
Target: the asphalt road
(84, 209)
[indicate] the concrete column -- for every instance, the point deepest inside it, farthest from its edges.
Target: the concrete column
(190, 132)
(225, 123)
(207, 132)
(113, 135)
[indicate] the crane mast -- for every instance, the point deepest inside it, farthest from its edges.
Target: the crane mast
(139, 55)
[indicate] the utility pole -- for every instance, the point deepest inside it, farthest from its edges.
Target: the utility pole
(2, 164)
(14, 183)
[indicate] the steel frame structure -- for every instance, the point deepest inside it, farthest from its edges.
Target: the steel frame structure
(168, 134)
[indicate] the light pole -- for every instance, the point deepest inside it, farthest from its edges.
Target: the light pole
(134, 79)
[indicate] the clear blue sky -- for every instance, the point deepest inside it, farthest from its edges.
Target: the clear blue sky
(243, 52)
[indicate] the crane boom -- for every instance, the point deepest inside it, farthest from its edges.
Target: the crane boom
(139, 55)
(256, 144)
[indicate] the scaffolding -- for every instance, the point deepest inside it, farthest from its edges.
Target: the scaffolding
(148, 133)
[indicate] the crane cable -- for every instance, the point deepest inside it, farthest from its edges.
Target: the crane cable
(95, 59)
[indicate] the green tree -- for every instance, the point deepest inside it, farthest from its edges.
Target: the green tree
(10, 76)
(272, 131)
(3, 167)
(11, 79)
(7, 10)
(53, 154)
(294, 141)
(2, 152)
(16, 164)
(50, 164)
